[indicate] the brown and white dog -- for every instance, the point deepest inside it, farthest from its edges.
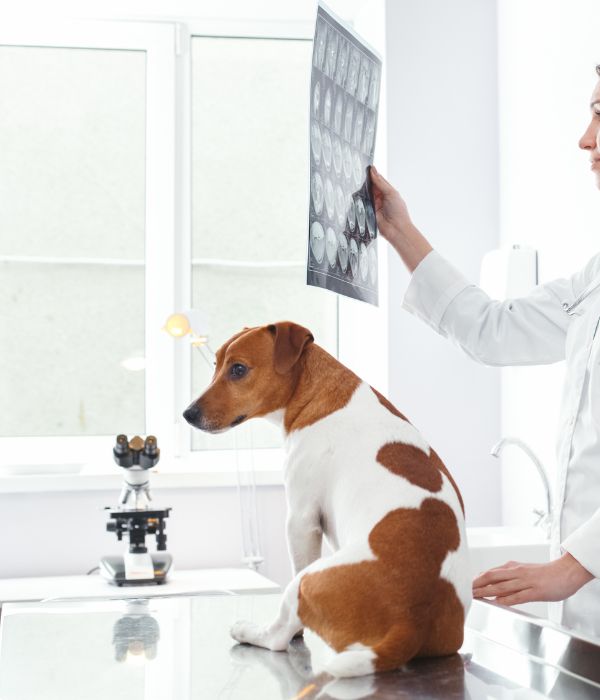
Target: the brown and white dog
(358, 472)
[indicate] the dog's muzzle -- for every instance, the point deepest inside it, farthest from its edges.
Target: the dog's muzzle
(193, 414)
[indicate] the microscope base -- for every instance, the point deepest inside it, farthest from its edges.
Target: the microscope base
(118, 571)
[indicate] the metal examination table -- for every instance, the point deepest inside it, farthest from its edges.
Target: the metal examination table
(179, 647)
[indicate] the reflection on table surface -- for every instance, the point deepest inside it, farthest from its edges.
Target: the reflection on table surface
(180, 648)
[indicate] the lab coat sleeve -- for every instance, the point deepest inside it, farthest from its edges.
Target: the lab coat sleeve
(583, 544)
(529, 330)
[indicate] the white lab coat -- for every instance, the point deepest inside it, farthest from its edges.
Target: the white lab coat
(532, 330)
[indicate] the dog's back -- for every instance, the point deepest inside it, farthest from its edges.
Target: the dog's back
(391, 509)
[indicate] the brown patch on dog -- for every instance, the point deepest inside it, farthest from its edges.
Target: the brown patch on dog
(446, 629)
(222, 351)
(286, 371)
(434, 459)
(324, 386)
(389, 405)
(290, 342)
(397, 604)
(271, 355)
(415, 465)
(411, 463)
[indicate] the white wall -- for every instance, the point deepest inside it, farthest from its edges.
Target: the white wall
(443, 157)
(52, 534)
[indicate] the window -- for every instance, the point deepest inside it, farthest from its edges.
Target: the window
(86, 230)
(72, 221)
(144, 170)
(250, 199)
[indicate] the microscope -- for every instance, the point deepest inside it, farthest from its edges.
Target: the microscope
(135, 518)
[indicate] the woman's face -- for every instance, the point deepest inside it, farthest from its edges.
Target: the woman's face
(590, 141)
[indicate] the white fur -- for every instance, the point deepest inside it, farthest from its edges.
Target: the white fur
(335, 487)
(275, 417)
(349, 664)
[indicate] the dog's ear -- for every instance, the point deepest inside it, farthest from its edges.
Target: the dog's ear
(290, 341)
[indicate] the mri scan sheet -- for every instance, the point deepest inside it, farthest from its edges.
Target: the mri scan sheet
(344, 101)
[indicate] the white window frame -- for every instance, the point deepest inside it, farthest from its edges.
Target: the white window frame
(219, 465)
(46, 455)
(83, 463)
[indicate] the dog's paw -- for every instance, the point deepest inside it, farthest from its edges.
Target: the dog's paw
(267, 637)
(245, 632)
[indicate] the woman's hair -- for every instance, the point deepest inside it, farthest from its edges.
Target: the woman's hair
(598, 69)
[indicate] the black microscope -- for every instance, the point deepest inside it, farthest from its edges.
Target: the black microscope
(135, 518)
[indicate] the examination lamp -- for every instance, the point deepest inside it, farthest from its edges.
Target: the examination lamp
(181, 325)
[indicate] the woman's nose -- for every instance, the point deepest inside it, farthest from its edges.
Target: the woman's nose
(589, 139)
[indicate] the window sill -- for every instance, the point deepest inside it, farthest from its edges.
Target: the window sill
(192, 472)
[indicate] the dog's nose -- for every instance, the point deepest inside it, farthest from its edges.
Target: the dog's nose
(192, 414)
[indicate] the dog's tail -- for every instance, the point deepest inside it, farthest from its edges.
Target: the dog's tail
(401, 643)
(352, 662)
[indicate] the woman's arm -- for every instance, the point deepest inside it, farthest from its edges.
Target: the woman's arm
(394, 223)
(524, 331)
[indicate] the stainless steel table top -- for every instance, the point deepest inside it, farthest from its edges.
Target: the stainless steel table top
(180, 648)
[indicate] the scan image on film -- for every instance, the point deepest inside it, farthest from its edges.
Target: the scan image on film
(344, 102)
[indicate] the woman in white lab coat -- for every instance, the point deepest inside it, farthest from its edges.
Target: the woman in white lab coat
(557, 321)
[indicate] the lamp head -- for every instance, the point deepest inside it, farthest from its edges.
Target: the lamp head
(178, 325)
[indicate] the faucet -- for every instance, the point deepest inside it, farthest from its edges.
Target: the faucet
(544, 518)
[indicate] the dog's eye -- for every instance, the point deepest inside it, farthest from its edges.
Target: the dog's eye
(238, 370)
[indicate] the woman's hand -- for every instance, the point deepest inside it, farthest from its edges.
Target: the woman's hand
(515, 583)
(394, 224)
(390, 209)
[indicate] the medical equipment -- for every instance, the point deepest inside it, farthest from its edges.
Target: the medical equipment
(135, 518)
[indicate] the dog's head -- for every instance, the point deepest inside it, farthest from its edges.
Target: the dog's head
(256, 373)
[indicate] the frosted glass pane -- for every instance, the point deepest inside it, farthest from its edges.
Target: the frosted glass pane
(72, 189)
(72, 132)
(250, 198)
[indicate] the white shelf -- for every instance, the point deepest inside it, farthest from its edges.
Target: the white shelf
(179, 583)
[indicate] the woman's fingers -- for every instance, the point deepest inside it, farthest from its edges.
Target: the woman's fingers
(380, 182)
(510, 584)
(503, 588)
(524, 596)
(495, 576)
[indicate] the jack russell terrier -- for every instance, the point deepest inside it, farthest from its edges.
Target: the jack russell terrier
(397, 585)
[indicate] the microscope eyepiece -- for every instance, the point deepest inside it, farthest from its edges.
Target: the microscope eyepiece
(121, 445)
(123, 456)
(136, 452)
(150, 446)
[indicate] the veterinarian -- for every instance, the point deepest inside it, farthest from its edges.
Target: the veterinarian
(556, 321)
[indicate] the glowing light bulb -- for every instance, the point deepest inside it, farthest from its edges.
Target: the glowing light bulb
(177, 325)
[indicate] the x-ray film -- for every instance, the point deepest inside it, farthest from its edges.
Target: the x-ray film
(344, 101)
